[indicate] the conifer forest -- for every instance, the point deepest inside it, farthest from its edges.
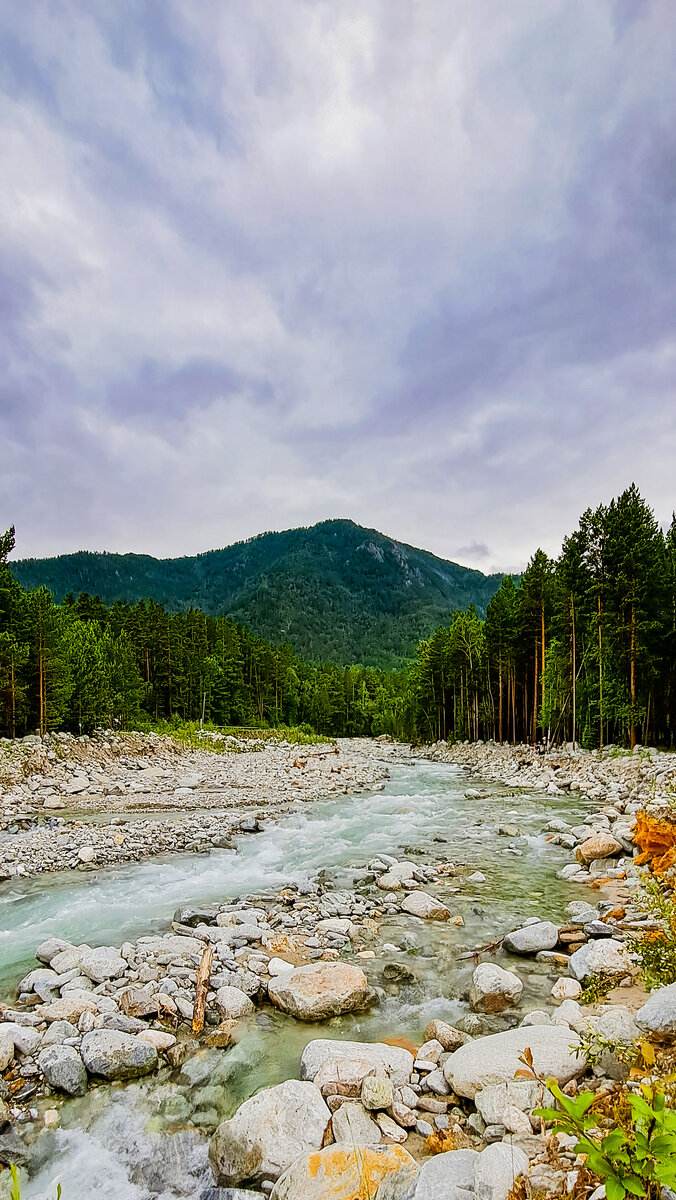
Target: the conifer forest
(580, 648)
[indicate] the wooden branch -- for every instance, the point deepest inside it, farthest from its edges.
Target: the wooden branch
(201, 989)
(489, 948)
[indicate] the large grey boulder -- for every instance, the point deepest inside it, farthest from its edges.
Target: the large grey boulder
(496, 1059)
(232, 1003)
(658, 1014)
(42, 979)
(530, 939)
(421, 904)
(448, 1176)
(497, 1170)
(493, 1101)
(341, 1171)
(48, 950)
(268, 1133)
(494, 989)
(25, 1038)
(63, 1069)
(105, 962)
(115, 1055)
(321, 990)
(351, 1124)
(395, 1060)
(605, 956)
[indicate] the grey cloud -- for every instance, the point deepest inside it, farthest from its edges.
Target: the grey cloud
(414, 265)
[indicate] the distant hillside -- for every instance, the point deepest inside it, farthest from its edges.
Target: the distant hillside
(337, 591)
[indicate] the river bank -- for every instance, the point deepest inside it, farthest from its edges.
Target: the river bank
(397, 933)
(70, 803)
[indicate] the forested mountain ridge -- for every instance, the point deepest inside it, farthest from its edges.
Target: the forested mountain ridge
(337, 591)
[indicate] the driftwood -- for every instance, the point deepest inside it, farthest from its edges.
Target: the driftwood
(201, 989)
(489, 948)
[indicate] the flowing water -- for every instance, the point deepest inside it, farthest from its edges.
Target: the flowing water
(114, 1142)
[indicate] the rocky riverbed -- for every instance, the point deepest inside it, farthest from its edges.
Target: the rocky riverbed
(356, 953)
(81, 803)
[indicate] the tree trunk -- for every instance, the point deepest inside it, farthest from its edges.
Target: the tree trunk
(500, 698)
(574, 650)
(201, 989)
(600, 677)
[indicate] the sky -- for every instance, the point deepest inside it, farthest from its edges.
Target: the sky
(267, 262)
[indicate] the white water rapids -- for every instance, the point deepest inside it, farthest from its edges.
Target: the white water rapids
(128, 1143)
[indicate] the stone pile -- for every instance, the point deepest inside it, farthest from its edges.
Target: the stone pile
(49, 786)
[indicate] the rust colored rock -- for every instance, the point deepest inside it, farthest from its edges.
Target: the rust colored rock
(600, 845)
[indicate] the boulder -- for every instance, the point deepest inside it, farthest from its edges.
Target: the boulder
(377, 1092)
(421, 904)
(26, 1039)
(157, 1038)
(58, 1033)
(320, 990)
(600, 845)
(494, 989)
(532, 938)
(6, 1050)
(70, 1007)
(172, 943)
(66, 960)
(395, 1060)
(496, 1059)
(343, 1077)
(351, 1124)
(232, 1004)
(566, 989)
(268, 1133)
(343, 1172)
(448, 1176)
(450, 1037)
(136, 1002)
(605, 956)
(497, 1169)
(658, 1014)
(48, 949)
(43, 978)
(63, 1069)
(494, 1100)
(116, 1055)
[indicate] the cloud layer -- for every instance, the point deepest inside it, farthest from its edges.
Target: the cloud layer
(266, 264)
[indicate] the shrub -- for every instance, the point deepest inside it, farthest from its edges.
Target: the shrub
(638, 1160)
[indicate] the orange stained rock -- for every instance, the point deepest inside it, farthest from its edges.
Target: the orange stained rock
(343, 1173)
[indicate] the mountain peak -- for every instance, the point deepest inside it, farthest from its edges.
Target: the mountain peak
(337, 590)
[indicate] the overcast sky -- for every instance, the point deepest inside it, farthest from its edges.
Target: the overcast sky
(264, 262)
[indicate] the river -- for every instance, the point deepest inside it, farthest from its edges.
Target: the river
(131, 1143)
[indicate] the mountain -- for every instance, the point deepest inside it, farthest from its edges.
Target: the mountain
(337, 591)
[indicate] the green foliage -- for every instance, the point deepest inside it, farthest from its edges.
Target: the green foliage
(639, 1160)
(596, 987)
(583, 650)
(338, 592)
(655, 950)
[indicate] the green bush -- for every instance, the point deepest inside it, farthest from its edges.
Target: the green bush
(637, 1161)
(655, 950)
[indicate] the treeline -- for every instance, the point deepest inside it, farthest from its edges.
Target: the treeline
(81, 664)
(583, 651)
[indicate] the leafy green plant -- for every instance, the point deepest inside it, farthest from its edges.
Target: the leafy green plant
(638, 1161)
(597, 987)
(655, 950)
